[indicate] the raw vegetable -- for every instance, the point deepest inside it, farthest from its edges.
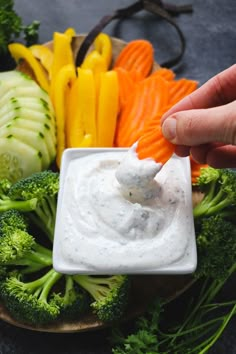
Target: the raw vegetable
(196, 170)
(148, 97)
(219, 188)
(152, 144)
(19, 52)
(109, 294)
(107, 109)
(136, 57)
(27, 122)
(62, 80)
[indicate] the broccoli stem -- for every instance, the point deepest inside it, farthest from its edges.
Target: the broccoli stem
(42, 286)
(44, 216)
(21, 205)
(34, 260)
(211, 204)
(96, 287)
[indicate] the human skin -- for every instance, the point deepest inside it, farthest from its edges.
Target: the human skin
(203, 124)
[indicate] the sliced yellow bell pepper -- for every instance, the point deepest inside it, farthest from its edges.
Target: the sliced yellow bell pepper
(81, 113)
(65, 75)
(62, 55)
(43, 54)
(70, 32)
(103, 45)
(87, 102)
(19, 51)
(74, 124)
(95, 62)
(107, 108)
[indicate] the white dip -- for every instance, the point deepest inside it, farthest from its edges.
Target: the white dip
(120, 214)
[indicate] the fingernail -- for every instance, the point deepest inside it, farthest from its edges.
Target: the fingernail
(169, 128)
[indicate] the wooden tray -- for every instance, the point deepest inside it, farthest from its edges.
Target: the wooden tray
(144, 288)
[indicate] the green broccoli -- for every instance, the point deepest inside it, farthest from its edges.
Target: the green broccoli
(11, 26)
(109, 293)
(73, 302)
(216, 245)
(18, 247)
(6, 203)
(219, 188)
(31, 301)
(42, 186)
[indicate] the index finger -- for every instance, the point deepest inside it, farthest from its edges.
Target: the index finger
(219, 90)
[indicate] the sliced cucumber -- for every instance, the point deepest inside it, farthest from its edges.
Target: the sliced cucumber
(31, 138)
(42, 129)
(27, 121)
(18, 160)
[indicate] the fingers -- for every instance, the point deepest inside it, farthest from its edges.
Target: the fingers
(217, 91)
(215, 155)
(201, 126)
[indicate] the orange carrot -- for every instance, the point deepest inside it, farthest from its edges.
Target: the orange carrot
(167, 74)
(178, 89)
(152, 144)
(143, 104)
(137, 56)
(196, 169)
(126, 85)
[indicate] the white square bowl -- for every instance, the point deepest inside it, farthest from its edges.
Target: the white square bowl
(118, 259)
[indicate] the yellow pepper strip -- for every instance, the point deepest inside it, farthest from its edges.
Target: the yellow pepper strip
(62, 80)
(62, 55)
(103, 45)
(43, 54)
(87, 102)
(74, 125)
(96, 63)
(87, 141)
(19, 51)
(70, 32)
(107, 108)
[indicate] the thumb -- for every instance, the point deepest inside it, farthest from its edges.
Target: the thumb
(200, 126)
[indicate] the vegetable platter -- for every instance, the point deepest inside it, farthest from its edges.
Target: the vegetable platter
(142, 288)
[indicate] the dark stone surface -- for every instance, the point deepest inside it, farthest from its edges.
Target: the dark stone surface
(210, 32)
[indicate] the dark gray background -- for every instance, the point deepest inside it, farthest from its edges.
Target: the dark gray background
(210, 32)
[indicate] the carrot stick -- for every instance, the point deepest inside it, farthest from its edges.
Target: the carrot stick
(143, 104)
(167, 74)
(178, 89)
(126, 85)
(137, 56)
(196, 169)
(152, 144)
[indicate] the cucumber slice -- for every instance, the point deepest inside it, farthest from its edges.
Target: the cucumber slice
(41, 129)
(31, 138)
(27, 126)
(29, 90)
(12, 78)
(18, 160)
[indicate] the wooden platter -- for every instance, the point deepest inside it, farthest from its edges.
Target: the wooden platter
(144, 288)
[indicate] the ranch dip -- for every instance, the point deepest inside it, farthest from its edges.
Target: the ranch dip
(123, 214)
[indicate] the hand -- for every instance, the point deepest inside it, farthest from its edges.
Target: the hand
(203, 124)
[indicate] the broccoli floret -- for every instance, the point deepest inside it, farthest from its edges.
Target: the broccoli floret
(17, 246)
(109, 293)
(219, 188)
(74, 302)
(11, 26)
(216, 244)
(6, 203)
(30, 302)
(42, 186)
